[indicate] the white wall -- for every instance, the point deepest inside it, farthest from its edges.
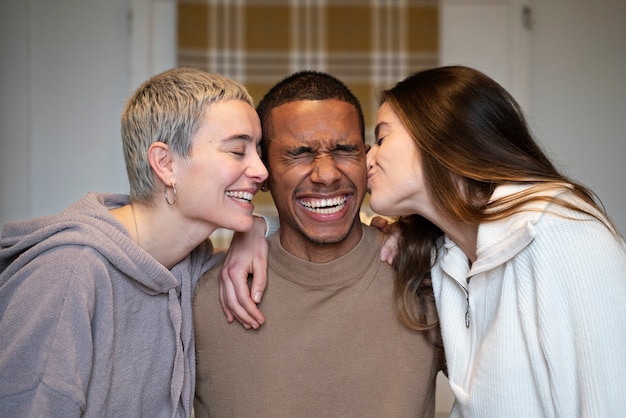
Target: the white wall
(578, 93)
(67, 67)
(566, 70)
(14, 105)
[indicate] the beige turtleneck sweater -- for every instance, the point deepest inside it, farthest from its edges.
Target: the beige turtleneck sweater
(332, 344)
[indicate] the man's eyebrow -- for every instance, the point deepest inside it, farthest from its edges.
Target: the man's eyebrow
(300, 150)
(346, 147)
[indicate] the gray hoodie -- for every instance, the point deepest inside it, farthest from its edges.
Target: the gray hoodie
(90, 324)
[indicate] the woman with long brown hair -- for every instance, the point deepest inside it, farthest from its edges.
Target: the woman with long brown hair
(528, 272)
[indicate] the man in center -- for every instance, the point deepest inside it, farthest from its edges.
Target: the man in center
(332, 343)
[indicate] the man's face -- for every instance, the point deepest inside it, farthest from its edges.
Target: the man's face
(316, 159)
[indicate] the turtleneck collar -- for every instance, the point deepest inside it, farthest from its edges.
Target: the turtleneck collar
(331, 274)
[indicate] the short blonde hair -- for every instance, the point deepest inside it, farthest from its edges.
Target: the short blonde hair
(169, 108)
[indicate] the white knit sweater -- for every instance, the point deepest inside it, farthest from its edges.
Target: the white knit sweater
(537, 326)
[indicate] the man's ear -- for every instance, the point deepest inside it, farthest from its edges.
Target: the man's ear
(160, 159)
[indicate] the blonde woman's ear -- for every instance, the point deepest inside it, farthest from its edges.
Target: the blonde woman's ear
(160, 159)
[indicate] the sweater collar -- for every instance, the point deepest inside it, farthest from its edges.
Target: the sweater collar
(501, 240)
(337, 273)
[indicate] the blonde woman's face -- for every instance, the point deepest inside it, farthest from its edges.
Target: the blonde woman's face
(224, 171)
(394, 179)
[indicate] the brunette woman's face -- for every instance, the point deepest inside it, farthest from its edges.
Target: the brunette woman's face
(394, 178)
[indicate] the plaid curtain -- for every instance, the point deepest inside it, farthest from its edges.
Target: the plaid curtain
(369, 45)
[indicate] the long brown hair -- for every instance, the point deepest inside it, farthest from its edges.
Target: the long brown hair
(472, 136)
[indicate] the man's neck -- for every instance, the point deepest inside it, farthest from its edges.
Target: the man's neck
(302, 247)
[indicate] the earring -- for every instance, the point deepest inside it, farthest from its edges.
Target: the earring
(167, 199)
(264, 187)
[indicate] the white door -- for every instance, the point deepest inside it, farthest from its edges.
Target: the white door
(492, 36)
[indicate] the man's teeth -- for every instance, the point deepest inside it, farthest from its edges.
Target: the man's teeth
(247, 196)
(325, 206)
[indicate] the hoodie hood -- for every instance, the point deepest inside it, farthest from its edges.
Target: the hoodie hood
(87, 222)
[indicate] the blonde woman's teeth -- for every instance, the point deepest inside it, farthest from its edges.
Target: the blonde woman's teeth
(246, 196)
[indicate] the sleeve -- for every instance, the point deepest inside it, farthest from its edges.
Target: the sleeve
(45, 329)
(272, 224)
(580, 270)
